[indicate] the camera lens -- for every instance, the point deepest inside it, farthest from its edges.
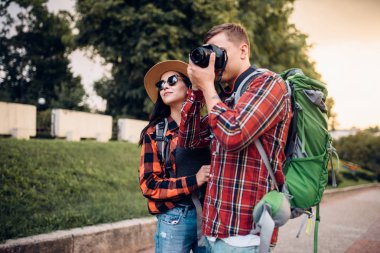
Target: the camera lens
(197, 55)
(200, 56)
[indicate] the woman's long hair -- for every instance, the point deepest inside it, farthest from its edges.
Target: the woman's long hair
(160, 110)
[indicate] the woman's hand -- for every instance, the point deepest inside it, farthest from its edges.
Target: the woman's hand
(203, 175)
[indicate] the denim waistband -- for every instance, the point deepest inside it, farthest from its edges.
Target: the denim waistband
(188, 206)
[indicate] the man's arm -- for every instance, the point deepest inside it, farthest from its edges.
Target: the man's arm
(194, 130)
(261, 107)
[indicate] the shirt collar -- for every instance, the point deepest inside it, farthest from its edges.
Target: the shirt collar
(240, 79)
(172, 125)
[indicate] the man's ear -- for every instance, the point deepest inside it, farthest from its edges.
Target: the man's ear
(244, 51)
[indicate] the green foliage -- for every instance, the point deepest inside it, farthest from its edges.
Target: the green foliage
(134, 35)
(44, 124)
(349, 175)
(331, 114)
(366, 175)
(362, 148)
(276, 44)
(47, 185)
(34, 57)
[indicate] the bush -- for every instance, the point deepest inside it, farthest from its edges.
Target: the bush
(349, 175)
(366, 175)
(362, 149)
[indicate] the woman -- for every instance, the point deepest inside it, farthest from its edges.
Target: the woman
(169, 191)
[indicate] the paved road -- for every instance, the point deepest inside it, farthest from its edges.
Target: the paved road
(350, 223)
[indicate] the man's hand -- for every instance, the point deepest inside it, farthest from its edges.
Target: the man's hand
(203, 175)
(202, 78)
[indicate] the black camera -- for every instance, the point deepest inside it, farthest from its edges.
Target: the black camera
(201, 56)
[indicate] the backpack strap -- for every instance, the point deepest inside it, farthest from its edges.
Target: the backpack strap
(163, 145)
(245, 83)
(332, 151)
(265, 158)
(317, 220)
(161, 129)
(241, 89)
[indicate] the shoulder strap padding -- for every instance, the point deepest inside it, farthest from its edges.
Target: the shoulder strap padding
(163, 146)
(246, 82)
(161, 129)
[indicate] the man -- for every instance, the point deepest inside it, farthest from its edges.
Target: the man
(238, 177)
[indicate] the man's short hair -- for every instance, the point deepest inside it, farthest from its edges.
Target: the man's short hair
(235, 33)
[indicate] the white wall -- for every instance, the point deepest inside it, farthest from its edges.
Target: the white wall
(18, 120)
(130, 129)
(74, 125)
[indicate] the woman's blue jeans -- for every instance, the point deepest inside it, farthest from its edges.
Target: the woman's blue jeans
(177, 231)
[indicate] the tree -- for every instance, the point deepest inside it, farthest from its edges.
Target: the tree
(362, 148)
(333, 122)
(276, 44)
(34, 57)
(134, 35)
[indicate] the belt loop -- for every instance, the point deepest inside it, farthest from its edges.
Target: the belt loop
(185, 211)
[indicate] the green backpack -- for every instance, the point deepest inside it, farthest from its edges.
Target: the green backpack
(309, 144)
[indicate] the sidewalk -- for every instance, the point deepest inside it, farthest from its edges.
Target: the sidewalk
(350, 223)
(368, 242)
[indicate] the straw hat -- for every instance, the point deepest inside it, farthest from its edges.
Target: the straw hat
(154, 75)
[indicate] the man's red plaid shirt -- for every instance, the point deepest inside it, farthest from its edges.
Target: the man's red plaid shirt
(238, 176)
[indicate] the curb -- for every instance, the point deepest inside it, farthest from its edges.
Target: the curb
(123, 236)
(330, 192)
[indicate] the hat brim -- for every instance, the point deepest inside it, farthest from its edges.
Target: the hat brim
(154, 75)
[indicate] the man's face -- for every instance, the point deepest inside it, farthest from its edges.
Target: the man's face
(234, 53)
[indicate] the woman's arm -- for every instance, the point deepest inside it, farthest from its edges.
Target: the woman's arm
(153, 183)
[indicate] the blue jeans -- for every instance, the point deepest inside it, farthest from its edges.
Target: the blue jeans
(177, 232)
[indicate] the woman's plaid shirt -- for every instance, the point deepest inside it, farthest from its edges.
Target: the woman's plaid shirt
(238, 177)
(156, 185)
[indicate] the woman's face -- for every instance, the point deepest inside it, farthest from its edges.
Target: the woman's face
(175, 94)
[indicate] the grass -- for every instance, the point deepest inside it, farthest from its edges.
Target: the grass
(47, 185)
(350, 182)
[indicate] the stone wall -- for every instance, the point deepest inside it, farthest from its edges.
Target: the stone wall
(130, 129)
(18, 120)
(130, 236)
(74, 125)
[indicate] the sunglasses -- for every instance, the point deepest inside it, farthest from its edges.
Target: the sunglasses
(171, 81)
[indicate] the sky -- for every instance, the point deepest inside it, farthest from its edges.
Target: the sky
(345, 35)
(345, 39)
